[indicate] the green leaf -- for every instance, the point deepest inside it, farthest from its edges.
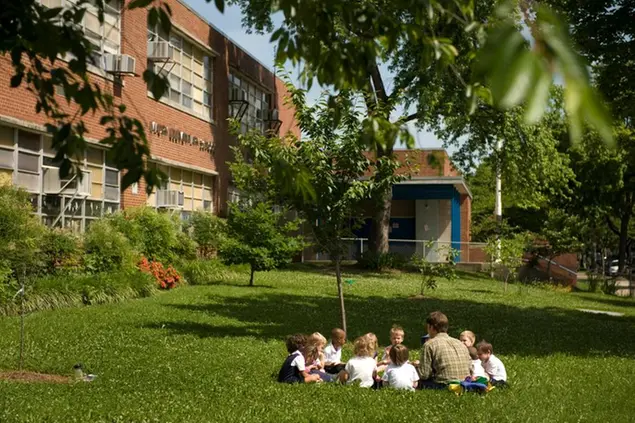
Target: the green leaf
(134, 4)
(16, 79)
(220, 5)
(511, 90)
(538, 98)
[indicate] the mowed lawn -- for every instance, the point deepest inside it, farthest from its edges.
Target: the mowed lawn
(207, 353)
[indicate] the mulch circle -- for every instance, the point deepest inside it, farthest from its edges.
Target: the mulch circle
(33, 377)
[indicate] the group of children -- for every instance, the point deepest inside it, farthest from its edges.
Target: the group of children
(311, 359)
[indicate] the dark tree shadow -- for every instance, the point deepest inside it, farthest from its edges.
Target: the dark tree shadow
(512, 330)
(614, 302)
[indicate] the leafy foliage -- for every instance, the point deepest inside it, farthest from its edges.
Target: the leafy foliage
(371, 260)
(62, 252)
(207, 231)
(107, 249)
(508, 254)
(166, 278)
(153, 234)
(20, 234)
(432, 272)
(260, 237)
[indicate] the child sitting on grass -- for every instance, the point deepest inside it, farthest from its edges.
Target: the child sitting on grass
(476, 368)
(362, 368)
(468, 338)
(400, 374)
(314, 356)
(333, 352)
(293, 369)
(492, 364)
(397, 336)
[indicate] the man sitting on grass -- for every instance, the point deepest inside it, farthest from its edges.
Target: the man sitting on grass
(443, 358)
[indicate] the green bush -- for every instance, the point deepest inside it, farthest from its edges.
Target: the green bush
(377, 262)
(207, 230)
(21, 234)
(107, 249)
(186, 247)
(153, 234)
(61, 252)
(73, 290)
(209, 272)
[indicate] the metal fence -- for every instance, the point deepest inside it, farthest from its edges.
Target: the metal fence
(434, 251)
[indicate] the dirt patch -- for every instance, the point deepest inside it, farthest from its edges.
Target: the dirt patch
(418, 297)
(32, 377)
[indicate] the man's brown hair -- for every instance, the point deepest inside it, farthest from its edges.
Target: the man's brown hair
(438, 321)
(399, 354)
(295, 342)
(484, 347)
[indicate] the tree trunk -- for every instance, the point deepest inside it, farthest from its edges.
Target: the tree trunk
(251, 277)
(381, 222)
(626, 218)
(340, 292)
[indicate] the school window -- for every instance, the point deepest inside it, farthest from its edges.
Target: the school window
(105, 37)
(258, 101)
(189, 72)
(184, 192)
(27, 159)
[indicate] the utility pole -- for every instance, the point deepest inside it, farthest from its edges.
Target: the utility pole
(498, 203)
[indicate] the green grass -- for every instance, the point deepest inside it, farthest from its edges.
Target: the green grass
(207, 353)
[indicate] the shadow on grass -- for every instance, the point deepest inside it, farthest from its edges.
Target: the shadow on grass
(328, 269)
(614, 302)
(512, 330)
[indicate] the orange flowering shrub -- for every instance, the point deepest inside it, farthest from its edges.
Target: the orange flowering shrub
(166, 278)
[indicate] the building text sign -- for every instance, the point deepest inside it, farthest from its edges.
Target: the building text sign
(181, 137)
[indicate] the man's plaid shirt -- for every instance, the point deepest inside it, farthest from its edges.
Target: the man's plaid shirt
(444, 359)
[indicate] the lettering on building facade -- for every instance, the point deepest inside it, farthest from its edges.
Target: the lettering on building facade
(180, 137)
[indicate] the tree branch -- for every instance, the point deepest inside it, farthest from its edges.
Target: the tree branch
(612, 226)
(378, 83)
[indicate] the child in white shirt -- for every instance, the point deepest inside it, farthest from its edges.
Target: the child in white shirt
(492, 364)
(362, 368)
(333, 352)
(476, 368)
(293, 369)
(400, 374)
(397, 336)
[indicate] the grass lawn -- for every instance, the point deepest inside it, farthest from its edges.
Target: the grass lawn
(207, 353)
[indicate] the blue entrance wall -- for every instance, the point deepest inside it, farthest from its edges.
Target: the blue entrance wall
(406, 226)
(435, 192)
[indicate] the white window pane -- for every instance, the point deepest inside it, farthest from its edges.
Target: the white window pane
(207, 111)
(112, 177)
(198, 108)
(91, 22)
(175, 96)
(29, 181)
(28, 162)
(197, 94)
(187, 101)
(198, 81)
(176, 41)
(186, 74)
(186, 60)
(111, 47)
(186, 88)
(6, 158)
(175, 82)
(29, 141)
(111, 193)
(111, 33)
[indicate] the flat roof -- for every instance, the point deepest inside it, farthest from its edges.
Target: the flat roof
(457, 181)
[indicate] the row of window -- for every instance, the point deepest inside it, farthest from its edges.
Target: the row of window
(189, 70)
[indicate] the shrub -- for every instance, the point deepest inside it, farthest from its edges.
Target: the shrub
(165, 278)
(432, 272)
(208, 272)
(21, 233)
(185, 248)
(207, 230)
(61, 252)
(153, 234)
(258, 236)
(74, 290)
(107, 249)
(377, 262)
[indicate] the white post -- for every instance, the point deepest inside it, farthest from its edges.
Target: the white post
(498, 206)
(361, 246)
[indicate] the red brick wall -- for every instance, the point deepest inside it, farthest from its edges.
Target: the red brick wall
(420, 159)
(20, 104)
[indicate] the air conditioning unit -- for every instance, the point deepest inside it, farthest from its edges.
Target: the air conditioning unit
(170, 198)
(237, 94)
(159, 50)
(119, 64)
(272, 115)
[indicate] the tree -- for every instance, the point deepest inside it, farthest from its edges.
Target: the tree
(604, 32)
(431, 272)
(331, 162)
(509, 251)
(260, 237)
(559, 235)
(339, 42)
(207, 231)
